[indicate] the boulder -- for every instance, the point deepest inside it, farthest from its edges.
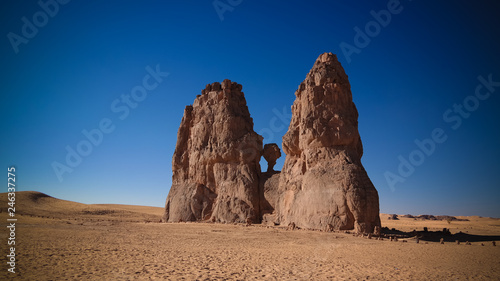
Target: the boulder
(271, 153)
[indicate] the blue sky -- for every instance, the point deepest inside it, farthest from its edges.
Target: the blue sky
(422, 63)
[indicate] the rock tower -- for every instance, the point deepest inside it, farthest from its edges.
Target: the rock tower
(216, 160)
(323, 185)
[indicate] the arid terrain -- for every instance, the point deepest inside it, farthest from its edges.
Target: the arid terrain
(63, 240)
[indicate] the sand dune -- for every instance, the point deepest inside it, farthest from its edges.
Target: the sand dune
(63, 240)
(39, 205)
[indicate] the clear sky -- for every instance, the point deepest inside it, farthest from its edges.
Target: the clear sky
(415, 69)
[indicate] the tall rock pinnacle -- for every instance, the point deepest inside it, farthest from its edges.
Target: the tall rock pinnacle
(323, 183)
(216, 160)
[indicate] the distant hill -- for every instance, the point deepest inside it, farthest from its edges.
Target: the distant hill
(37, 204)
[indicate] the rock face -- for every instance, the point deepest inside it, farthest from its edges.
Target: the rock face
(269, 195)
(323, 183)
(216, 160)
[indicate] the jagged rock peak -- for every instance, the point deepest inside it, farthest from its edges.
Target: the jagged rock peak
(324, 98)
(226, 86)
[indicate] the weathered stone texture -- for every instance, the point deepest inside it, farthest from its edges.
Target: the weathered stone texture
(323, 181)
(216, 161)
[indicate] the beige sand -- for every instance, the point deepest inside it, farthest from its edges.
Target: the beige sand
(476, 225)
(114, 242)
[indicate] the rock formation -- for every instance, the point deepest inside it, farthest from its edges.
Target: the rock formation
(323, 181)
(216, 160)
(323, 185)
(269, 195)
(271, 153)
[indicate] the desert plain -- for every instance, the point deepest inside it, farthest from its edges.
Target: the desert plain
(64, 240)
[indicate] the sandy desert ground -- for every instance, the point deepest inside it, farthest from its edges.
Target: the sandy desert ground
(63, 240)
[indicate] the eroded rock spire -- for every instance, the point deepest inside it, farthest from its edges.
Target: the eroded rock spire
(323, 183)
(216, 160)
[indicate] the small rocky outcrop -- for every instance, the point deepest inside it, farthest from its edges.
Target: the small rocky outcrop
(271, 153)
(216, 160)
(323, 181)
